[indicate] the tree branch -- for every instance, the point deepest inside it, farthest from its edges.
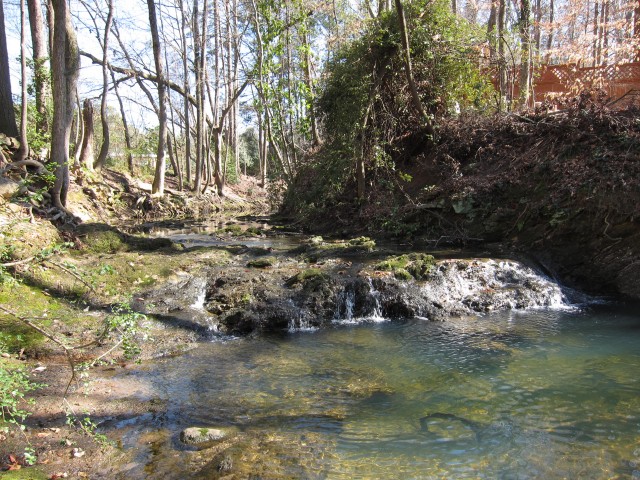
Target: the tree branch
(140, 74)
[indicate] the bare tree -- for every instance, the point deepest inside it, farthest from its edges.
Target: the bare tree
(65, 61)
(158, 179)
(24, 144)
(40, 55)
(104, 149)
(7, 116)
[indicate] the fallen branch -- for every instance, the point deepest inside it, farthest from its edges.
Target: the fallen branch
(50, 336)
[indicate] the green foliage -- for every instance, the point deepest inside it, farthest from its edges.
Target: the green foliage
(41, 183)
(14, 385)
(366, 106)
(88, 427)
(106, 269)
(6, 253)
(126, 326)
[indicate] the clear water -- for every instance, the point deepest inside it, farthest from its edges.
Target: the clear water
(542, 394)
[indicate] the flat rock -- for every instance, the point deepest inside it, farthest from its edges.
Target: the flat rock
(199, 436)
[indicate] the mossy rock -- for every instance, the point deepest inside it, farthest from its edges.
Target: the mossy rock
(402, 274)
(405, 267)
(200, 436)
(311, 279)
(364, 243)
(101, 238)
(264, 262)
(233, 230)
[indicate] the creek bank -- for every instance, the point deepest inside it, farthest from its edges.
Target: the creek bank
(562, 188)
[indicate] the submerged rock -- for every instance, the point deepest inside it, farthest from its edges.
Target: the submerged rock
(199, 436)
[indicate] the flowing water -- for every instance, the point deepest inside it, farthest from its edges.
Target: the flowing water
(536, 394)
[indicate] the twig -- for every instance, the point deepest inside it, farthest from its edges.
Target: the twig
(72, 273)
(42, 331)
(18, 262)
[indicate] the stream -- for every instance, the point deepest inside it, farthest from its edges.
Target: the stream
(538, 393)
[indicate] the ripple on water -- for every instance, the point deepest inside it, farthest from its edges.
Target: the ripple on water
(532, 395)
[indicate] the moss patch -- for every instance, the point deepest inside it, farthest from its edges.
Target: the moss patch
(405, 267)
(31, 473)
(263, 262)
(311, 279)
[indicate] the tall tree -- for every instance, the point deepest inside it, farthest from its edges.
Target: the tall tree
(525, 52)
(65, 63)
(40, 56)
(24, 145)
(104, 148)
(7, 115)
(158, 179)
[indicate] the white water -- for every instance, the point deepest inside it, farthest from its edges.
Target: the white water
(507, 283)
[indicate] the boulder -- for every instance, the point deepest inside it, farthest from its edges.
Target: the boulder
(8, 187)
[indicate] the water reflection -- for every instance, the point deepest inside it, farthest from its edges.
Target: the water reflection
(528, 395)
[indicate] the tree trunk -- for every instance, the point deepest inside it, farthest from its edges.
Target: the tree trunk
(51, 27)
(525, 52)
(158, 179)
(551, 28)
(185, 72)
(125, 125)
(415, 97)
(65, 63)
(40, 55)
(104, 149)
(86, 152)
(199, 78)
(502, 58)
(24, 145)
(7, 115)
(174, 162)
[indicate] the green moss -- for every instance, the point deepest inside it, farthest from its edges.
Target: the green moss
(365, 243)
(404, 267)
(253, 231)
(393, 263)
(402, 274)
(107, 241)
(312, 278)
(233, 230)
(31, 473)
(263, 262)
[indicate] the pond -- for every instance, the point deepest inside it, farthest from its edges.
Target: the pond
(534, 394)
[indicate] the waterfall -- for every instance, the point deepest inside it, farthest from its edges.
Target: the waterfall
(344, 305)
(300, 323)
(358, 303)
(376, 314)
(201, 285)
(485, 284)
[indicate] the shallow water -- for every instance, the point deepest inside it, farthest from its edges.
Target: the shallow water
(539, 394)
